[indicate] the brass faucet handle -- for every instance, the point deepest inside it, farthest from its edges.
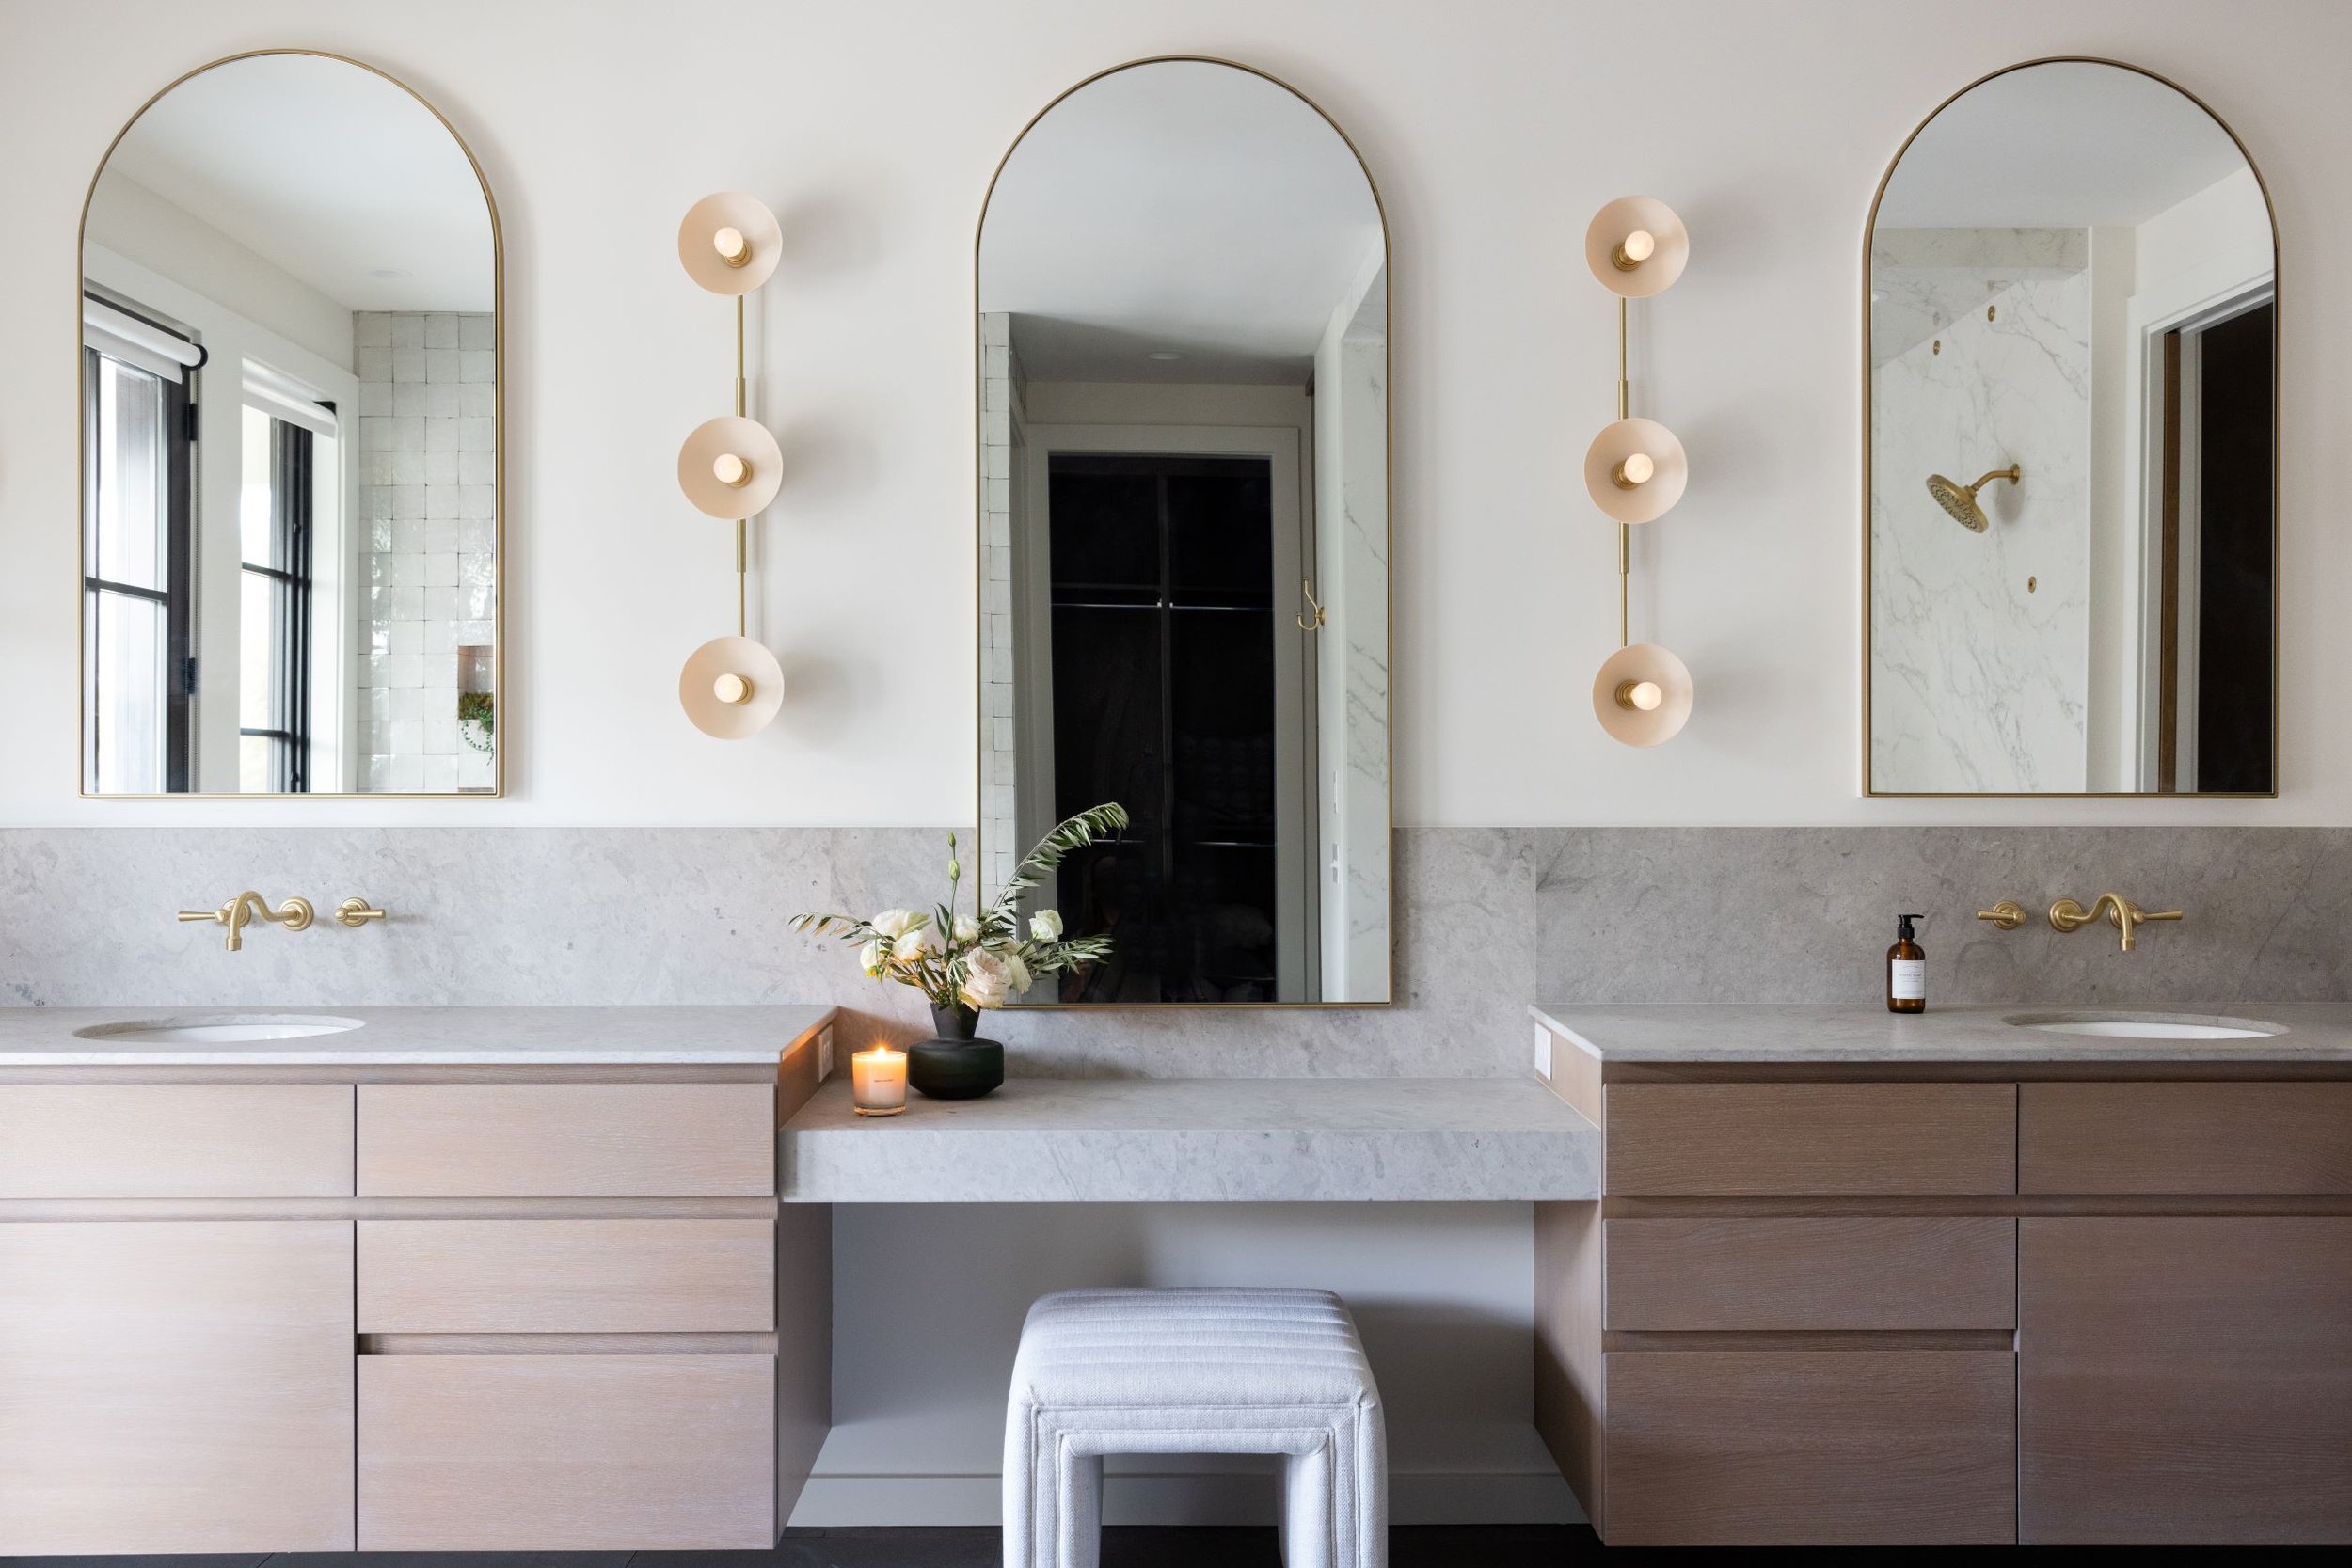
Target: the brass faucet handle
(355, 913)
(2008, 914)
(218, 917)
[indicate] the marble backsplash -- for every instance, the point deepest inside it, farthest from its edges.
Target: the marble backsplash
(1488, 921)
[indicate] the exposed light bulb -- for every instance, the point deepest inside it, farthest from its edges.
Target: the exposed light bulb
(733, 249)
(1634, 249)
(1643, 696)
(730, 470)
(733, 690)
(1638, 468)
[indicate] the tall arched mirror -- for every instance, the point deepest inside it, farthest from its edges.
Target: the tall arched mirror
(290, 441)
(1184, 535)
(2072, 341)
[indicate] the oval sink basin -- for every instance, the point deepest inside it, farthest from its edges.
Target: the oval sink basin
(220, 1030)
(2149, 1026)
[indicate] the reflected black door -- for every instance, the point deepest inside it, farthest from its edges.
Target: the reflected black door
(1163, 606)
(2235, 590)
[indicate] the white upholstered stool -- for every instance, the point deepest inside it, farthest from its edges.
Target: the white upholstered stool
(1211, 1371)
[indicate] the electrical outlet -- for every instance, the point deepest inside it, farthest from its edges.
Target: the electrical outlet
(1543, 1054)
(824, 1053)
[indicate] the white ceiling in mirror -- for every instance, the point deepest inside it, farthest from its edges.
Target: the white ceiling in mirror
(1232, 171)
(336, 174)
(2067, 144)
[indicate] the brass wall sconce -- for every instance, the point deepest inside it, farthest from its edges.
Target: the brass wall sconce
(1635, 471)
(730, 468)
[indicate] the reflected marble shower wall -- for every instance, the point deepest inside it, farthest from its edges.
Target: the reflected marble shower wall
(1980, 345)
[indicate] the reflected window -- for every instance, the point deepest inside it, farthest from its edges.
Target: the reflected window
(275, 529)
(137, 568)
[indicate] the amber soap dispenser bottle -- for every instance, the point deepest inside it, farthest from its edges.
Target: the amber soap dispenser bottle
(1906, 970)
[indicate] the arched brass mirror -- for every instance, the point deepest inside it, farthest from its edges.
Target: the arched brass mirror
(2071, 341)
(1184, 535)
(290, 439)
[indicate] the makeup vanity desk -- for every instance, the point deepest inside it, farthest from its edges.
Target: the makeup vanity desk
(433, 1280)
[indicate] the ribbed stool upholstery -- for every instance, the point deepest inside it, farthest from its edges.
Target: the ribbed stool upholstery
(1213, 1371)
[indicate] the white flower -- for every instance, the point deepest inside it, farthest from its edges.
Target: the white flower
(916, 945)
(1016, 971)
(895, 924)
(987, 979)
(967, 930)
(870, 957)
(1045, 926)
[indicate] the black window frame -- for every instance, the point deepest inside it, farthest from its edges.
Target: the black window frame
(292, 525)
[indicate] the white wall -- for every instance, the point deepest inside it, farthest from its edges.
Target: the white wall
(1493, 131)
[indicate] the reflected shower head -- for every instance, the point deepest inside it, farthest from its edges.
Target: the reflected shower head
(1961, 500)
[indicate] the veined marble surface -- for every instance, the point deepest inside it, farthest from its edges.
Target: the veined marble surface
(419, 1036)
(1740, 1033)
(1261, 1140)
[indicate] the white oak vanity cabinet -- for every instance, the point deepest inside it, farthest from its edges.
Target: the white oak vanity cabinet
(1955, 1302)
(453, 1308)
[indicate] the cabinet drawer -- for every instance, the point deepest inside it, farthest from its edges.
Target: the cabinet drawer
(1822, 1447)
(551, 1453)
(2185, 1138)
(566, 1277)
(1799, 1139)
(567, 1140)
(175, 1140)
(1894, 1272)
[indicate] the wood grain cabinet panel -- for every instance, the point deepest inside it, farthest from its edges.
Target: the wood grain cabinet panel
(2186, 1138)
(1811, 1139)
(2186, 1380)
(567, 1140)
(175, 1140)
(175, 1388)
(1820, 1448)
(566, 1277)
(567, 1452)
(1848, 1273)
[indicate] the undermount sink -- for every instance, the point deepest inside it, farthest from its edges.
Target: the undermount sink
(2149, 1026)
(219, 1029)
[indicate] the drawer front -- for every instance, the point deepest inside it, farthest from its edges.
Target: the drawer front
(2185, 1138)
(176, 1140)
(467, 1453)
(566, 1277)
(1824, 1447)
(1770, 1274)
(567, 1140)
(1801, 1139)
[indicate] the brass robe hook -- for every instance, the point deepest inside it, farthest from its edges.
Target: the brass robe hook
(1307, 588)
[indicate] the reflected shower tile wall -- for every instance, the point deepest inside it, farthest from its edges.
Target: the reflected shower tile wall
(1001, 412)
(427, 499)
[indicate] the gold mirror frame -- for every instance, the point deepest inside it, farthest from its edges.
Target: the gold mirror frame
(980, 535)
(497, 459)
(1869, 230)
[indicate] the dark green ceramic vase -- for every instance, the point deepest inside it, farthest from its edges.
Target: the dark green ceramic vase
(955, 1066)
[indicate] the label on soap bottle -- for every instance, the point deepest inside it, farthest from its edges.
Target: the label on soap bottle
(1907, 980)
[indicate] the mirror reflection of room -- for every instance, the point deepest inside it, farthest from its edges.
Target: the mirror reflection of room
(1182, 293)
(289, 410)
(2072, 350)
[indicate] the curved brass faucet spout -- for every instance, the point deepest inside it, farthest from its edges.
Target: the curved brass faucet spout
(247, 907)
(2125, 916)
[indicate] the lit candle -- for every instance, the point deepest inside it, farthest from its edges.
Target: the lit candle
(877, 1081)
(1636, 470)
(732, 247)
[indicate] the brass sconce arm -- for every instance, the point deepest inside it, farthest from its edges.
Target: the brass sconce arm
(2125, 916)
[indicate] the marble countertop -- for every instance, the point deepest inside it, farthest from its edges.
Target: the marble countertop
(1142, 1140)
(391, 1037)
(1740, 1032)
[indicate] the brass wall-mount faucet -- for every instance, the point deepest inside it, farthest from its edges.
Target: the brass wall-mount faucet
(2125, 916)
(296, 914)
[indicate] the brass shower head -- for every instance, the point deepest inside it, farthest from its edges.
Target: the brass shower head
(1961, 500)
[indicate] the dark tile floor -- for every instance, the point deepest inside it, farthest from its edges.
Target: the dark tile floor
(1413, 1546)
